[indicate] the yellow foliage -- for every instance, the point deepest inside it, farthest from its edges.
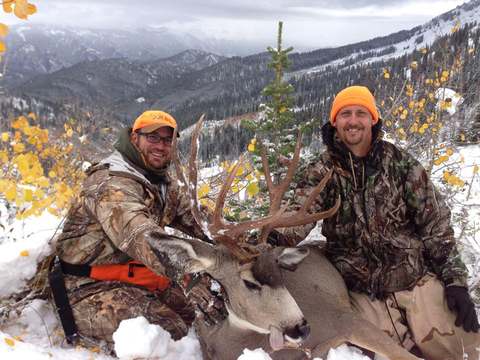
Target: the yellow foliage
(3, 30)
(240, 171)
(253, 189)
(5, 137)
(475, 169)
(251, 147)
(387, 76)
(449, 151)
(9, 342)
(25, 253)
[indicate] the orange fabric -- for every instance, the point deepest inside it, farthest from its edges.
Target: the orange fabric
(138, 275)
(151, 120)
(354, 95)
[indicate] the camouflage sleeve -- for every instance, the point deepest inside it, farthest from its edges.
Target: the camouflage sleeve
(310, 179)
(431, 216)
(183, 219)
(118, 206)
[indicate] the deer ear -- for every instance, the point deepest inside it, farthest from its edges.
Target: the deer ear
(182, 255)
(290, 258)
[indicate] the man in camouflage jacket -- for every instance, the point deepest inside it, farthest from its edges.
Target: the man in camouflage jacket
(391, 239)
(125, 197)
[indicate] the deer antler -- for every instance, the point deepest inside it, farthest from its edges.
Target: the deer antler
(222, 231)
(301, 216)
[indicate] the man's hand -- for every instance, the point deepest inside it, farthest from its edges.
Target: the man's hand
(207, 294)
(458, 298)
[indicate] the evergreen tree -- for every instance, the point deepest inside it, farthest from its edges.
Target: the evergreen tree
(278, 122)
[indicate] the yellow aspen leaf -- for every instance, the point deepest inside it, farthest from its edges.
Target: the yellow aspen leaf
(79, 128)
(107, 128)
(43, 181)
(25, 253)
(5, 137)
(203, 201)
(52, 174)
(421, 130)
(18, 147)
(3, 48)
(9, 342)
(3, 30)
(443, 79)
(453, 30)
(21, 9)
(282, 110)
(384, 71)
(253, 189)
(11, 193)
(249, 178)
(251, 147)
(230, 169)
(3, 185)
(253, 141)
(470, 51)
(424, 51)
(39, 193)
(205, 189)
(32, 9)
(222, 165)
(475, 169)
(18, 338)
(78, 347)
(235, 188)
(69, 132)
(462, 137)
(248, 167)
(95, 350)
(449, 151)
(437, 162)
(387, 76)
(240, 171)
(7, 6)
(382, 103)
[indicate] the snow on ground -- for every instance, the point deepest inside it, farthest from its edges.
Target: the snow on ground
(35, 333)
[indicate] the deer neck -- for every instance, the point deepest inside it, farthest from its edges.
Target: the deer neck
(235, 321)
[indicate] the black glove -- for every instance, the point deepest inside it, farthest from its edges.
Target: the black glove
(208, 296)
(458, 298)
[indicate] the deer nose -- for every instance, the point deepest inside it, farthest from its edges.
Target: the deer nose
(304, 330)
(300, 331)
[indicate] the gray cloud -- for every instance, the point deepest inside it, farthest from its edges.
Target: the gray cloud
(314, 23)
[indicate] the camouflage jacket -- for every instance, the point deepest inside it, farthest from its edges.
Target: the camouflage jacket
(109, 220)
(392, 226)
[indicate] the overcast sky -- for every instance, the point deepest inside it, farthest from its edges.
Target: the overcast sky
(307, 23)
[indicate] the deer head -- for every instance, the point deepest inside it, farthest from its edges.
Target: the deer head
(250, 274)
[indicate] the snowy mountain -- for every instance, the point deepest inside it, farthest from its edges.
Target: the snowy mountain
(44, 49)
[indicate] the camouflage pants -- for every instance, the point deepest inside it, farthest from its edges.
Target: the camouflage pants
(99, 307)
(431, 323)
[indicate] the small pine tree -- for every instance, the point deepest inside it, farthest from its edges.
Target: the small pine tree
(278, 122)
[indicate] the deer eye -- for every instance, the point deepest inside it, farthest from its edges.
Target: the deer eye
(250, 285)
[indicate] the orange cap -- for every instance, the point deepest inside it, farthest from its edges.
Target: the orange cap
(151, 120)
(354, 95)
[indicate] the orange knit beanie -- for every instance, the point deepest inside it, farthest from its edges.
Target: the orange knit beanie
(354, 95)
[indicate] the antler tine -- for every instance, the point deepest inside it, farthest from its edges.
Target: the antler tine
(217, 215)
(277, 192)
(302, 217)
(217, 227)
(176, 162)
(192, 175)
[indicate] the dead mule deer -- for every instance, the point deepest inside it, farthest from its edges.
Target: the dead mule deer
(275, 294)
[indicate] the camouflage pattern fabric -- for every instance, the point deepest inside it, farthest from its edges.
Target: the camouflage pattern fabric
(392, 226)
(430, 322)
(100, 307)
(109, 223)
